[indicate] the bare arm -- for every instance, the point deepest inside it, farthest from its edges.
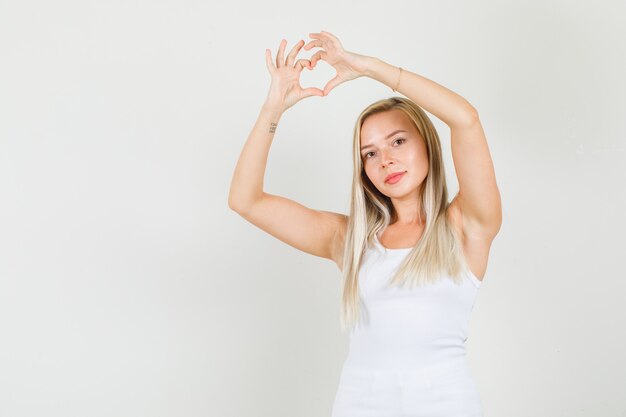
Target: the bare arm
(316, 232)
(445, 104)
(246, 186)
(479, 198)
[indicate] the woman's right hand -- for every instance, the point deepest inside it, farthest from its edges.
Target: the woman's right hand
(285, 89)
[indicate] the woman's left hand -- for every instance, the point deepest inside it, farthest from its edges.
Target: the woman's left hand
(347, 64)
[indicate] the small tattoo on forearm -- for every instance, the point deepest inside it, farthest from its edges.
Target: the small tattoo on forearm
(273, 127)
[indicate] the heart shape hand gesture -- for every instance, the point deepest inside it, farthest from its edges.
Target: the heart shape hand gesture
(285, 89)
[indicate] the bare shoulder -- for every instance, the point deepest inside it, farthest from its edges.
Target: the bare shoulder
(476, 242)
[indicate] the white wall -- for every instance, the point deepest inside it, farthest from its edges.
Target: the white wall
(127, 286)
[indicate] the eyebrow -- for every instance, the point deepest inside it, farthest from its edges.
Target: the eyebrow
(388, 136)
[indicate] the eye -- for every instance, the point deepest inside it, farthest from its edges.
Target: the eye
(400, 139)
(366, 155)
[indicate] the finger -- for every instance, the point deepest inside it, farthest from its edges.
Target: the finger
(330, 35)
(281, 54)
(332, 39)
(332, 84)
(313, 44)
(312, 91)
(268, 61)
(294, 51)
(322, 35)
(301, 63)
(317, 56)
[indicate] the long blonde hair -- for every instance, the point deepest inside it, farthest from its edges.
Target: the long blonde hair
(438, 250)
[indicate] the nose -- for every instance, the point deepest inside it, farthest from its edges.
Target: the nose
(386, 159)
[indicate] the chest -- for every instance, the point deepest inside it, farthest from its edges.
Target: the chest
(379, 266)
(476, 251)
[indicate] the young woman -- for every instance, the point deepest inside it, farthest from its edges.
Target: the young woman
(412, 261)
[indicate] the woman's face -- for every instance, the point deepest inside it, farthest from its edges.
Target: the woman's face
(391, 144)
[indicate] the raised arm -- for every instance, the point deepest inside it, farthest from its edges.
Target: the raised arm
(478, 199)
(319, 233)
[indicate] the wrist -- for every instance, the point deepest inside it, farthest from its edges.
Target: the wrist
(370, 66)
(272, 109)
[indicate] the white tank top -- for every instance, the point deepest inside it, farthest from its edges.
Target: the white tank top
(408, 327)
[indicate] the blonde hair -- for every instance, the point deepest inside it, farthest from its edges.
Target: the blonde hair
(438, 250)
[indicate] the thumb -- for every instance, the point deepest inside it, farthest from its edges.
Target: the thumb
(332, 84)
(312, 91)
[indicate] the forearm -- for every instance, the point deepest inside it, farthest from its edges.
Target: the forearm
(247, 182)
(445, 104)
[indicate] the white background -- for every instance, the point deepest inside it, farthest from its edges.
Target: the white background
(127, 286)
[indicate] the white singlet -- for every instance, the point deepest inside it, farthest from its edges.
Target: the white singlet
(407, 357)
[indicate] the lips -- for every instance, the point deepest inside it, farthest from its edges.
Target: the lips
(394, 177)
